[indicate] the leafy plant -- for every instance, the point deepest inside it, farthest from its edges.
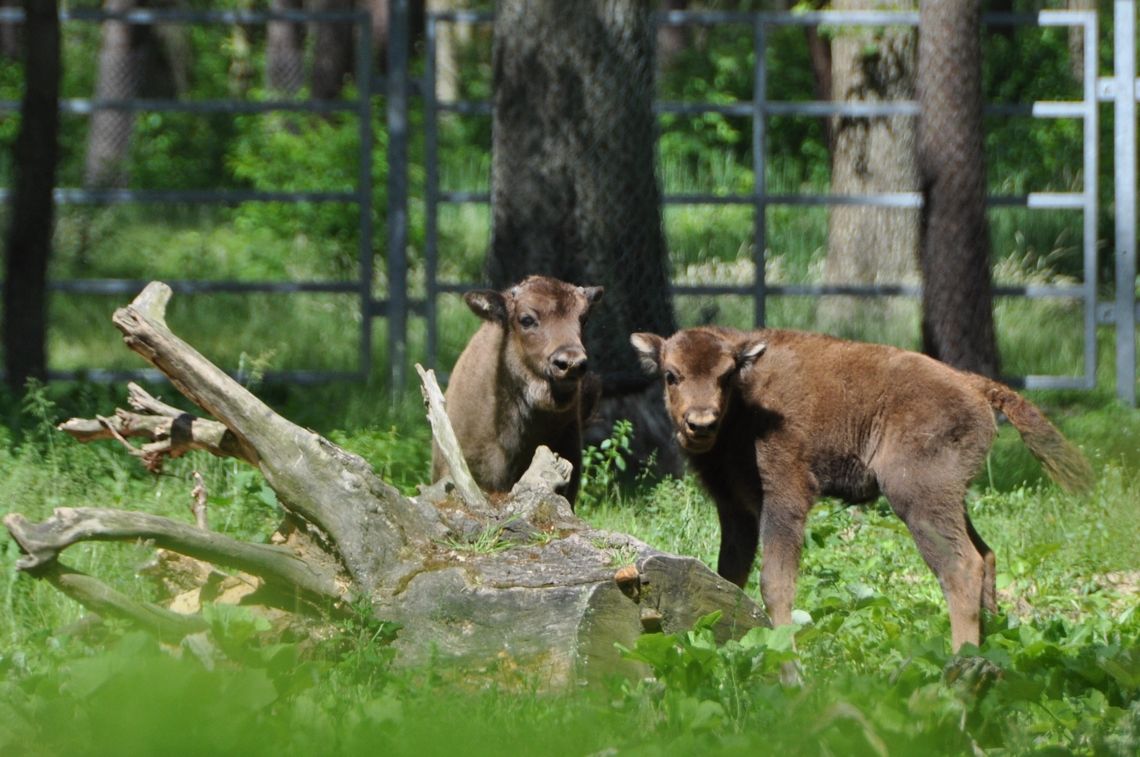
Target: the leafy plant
(603, 464)
(706, 685)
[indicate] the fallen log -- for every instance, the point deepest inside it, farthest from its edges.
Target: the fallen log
(475, 582)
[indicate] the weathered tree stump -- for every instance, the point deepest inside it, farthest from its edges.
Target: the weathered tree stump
(475, 581)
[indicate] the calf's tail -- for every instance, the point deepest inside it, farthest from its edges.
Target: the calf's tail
(1064, 463)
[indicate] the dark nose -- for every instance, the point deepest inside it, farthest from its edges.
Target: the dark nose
(568, 363)
(701, 422)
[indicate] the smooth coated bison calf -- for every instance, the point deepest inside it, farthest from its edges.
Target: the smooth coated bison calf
(521, 381)
(771, 420)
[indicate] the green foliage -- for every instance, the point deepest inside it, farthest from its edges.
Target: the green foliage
(871, 640)
(705, 686)
(872, 628)
(604, 464)
(300, 152)
(402, 458)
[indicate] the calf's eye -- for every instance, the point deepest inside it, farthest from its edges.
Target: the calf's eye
(527, 321)
(670, 378)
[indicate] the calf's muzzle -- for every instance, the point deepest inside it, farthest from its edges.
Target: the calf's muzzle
(568, 364)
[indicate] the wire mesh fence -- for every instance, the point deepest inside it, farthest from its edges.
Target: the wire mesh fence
(751, 224)
(303, 186)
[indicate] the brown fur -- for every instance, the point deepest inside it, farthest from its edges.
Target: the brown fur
(521, 381)
(771, 420)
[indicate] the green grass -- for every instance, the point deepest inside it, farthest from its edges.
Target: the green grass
(872, 646)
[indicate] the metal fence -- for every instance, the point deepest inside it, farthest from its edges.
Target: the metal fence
(360, 196)
(1120, 90)
(402, 90)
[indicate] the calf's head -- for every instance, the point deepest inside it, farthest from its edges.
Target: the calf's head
(699, 367)
(542, 320)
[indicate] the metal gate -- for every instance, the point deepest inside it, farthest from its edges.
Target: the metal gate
(400, 87)
(1121, 90)
(359, 106)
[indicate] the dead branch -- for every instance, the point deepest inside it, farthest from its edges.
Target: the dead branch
(170, 436)
(104, 600)
(448, 444)
(522, 580)
(198, 502)
(42, 543)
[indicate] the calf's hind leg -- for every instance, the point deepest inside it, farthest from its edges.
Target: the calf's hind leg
(936, 518)
(989, 581)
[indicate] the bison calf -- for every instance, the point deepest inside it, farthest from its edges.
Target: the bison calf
(520, 382)
(772, 420)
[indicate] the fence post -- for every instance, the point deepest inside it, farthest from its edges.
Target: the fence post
(364, 68)
(1124, 55)
(397, 191)
(760, 170)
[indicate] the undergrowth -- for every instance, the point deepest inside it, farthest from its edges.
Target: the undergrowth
(1058, 672)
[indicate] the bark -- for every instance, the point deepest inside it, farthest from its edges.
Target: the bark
(32, 208)
(284, 54)
(671, 40)
(121, 66)
(957, 302)
(870, 155)
(332, 51)
(478, 583)
(10, 34)
(1077, 40)
(574, 190)
(380, 26)
(449, 43)
(42, 542)
(100, 598)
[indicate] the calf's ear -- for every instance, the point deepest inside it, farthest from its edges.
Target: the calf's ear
(648, 347)
(749, 352)
(593, 294)
(488, 305)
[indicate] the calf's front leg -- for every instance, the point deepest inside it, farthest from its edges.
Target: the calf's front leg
(782, 538)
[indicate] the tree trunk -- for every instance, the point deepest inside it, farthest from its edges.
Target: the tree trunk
(333, 51)
(284, 55)
(10, 34)
(32, 208)
(869, 245)
(450, 39)
(957, 302)
(121, 59)
(1077, 40)
(475, 584)
(671, 40)
(574, 192)
(380, 27)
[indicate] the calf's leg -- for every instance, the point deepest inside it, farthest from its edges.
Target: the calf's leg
(936, 518)
(989, 581)
(782, 539)
(739, 535)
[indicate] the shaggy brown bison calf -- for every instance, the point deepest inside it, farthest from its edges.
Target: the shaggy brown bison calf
(520, 382)
(772, 420)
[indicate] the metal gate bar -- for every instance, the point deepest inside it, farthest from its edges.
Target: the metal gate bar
(758, 110)
(361, 196)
